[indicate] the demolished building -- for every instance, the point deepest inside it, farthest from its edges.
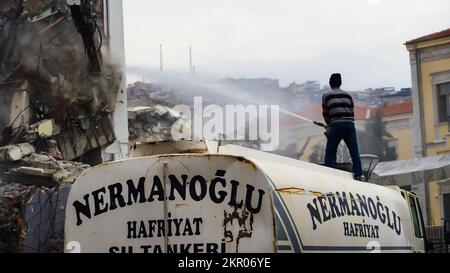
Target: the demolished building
(61, 91)
(151, 123)
(152, 115)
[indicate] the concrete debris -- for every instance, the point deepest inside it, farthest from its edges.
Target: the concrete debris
(46, 128)
(10, 153)
(152, 117)
(54, 83)
(57, 99)
(13, 198)
(19, 180)
(15, 153)
(85, 136)
(149, 94)
(151, 123)
(32, 218)
(44, 170)
(172, 147)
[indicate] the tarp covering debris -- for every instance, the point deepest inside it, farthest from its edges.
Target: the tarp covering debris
(413, 171)
(414, 175)
(13, 199)
(32, 218)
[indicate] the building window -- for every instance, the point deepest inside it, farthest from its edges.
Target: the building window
(444, 102)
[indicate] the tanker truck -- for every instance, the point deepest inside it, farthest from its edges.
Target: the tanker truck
(169, 197)
(200, 197)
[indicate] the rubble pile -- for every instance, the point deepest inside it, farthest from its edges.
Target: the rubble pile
(57, 98)
(13, 198)
(151, 123)
(149, 94)
(44, 170)
(30, 224)
(32, 218)
(150, 113)
(151, 117)
(152, 94)
(51, 68)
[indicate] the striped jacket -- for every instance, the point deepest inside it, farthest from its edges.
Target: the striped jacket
(338, 106)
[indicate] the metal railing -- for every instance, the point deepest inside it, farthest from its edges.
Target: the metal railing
(439, 238)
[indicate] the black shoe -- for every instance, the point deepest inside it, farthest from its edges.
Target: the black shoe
(360, 178)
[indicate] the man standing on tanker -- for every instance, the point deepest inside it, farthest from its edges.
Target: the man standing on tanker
(339, 115)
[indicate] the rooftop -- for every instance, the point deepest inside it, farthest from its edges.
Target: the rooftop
(436, 35)
(398, 109)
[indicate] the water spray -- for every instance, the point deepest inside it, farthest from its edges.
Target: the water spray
(183, 81)
(320, 124)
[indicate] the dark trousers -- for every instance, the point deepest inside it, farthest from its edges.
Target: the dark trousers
(336, 133)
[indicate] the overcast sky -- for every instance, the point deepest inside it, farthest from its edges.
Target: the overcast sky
(292, 40)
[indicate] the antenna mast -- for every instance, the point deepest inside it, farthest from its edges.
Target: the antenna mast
(191, 68)
(161, 67)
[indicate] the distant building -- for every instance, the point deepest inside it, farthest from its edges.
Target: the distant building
(383, 96)
(430, 67)
(139, 89)
(388, 90)
(399, 124)
(397, 97)
(406, 92)
(149, 94)
(375, 96)
(309, 91)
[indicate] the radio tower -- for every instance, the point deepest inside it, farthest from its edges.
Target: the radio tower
(161, 67)
(191, 67)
